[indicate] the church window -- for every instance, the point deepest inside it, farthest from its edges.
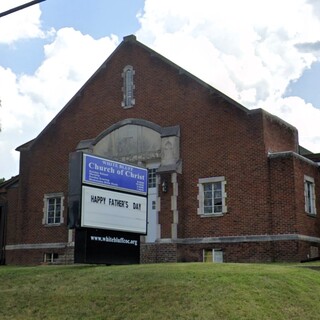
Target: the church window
(128, 87)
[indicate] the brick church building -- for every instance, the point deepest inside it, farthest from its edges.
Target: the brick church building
(225, 183)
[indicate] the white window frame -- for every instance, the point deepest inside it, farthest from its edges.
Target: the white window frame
(128, 87)
(46, 199)
(310, 196)
(217, 255)
(50, 257)
(152, 177)
(201, 196)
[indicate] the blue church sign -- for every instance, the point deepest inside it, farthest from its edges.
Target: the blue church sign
(114, 175)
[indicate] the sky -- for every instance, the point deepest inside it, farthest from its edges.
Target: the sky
(263, 54)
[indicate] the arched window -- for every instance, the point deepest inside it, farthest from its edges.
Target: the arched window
(128, 87)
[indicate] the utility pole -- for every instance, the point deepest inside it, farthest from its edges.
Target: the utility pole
(28, 4)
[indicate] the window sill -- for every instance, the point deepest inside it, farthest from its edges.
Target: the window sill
(52, 225)
(311, 215)
(127, 107)
(211, 215)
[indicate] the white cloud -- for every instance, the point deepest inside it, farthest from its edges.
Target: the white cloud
(248, 49)
(64, 70)
(18, 121)
(29, 102)
(22, 24)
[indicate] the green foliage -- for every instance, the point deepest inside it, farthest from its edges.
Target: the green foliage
(2, 180)
(161, 291)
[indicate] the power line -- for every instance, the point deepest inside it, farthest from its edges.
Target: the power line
(28, 4)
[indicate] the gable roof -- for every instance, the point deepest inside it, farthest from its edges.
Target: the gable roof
(132, 39)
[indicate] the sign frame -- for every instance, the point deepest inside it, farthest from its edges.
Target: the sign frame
(127, 187)
(113, 210)
(105, 173)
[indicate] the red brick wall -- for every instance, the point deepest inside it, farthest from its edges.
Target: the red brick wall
(232, 252)
(279, 135)
(268, 251)
(282, 190)
(218, 138)
(36, 257)
(165, 216)
(155, 253)
(288, 214)
(306, 224)
(12, 236)
(233, 148)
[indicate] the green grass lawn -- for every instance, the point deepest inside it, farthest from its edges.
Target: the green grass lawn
(161, 291)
